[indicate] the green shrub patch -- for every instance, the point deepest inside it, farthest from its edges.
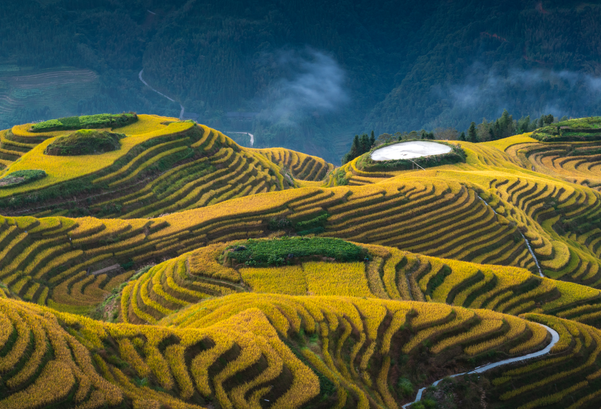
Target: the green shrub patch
(278, 251)
(85, 122)
(85, 142)
(21, 177)
(582, 129)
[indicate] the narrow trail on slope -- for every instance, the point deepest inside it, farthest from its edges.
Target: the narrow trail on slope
(540, 270)
(181, 113)
(484, 368)
(252, 137)
(183, 110)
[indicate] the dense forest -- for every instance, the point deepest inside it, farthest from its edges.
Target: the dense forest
(296, 77)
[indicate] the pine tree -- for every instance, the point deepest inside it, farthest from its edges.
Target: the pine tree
(506, 126)
(498, 131)
(354, 152)
(471, 133)
(462, 136)
(505, 119)
(524, 124)
(372, 140)
(364, 144)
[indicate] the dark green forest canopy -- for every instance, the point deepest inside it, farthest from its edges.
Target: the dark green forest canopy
(407, 65)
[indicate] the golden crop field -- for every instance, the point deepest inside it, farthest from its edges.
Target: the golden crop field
(164, 166)
(185, 271)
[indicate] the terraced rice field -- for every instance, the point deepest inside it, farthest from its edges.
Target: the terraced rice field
(139, 303)
(199, 355)
(391, 274)
(162, 168)
(577, 163)
(300, 165)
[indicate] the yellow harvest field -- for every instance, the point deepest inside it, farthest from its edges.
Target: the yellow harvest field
(426, 274)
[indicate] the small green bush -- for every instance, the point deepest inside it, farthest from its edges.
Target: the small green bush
(340, 177)
(319, 221)
(405, 387)
(279, 224)
(429, 403)
(21, 177)
(278, 251)
(84, 142)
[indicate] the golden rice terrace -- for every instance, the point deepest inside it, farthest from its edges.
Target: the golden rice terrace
(148, 262)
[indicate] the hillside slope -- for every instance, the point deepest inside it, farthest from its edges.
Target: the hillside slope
(291, 291)
(163, 165)
(251, 353)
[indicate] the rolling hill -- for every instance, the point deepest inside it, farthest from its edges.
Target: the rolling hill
(206, 274)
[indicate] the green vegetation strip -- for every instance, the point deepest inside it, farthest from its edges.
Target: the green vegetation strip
(21, 177)
(277, 251)
(582, 129)
(85, 122)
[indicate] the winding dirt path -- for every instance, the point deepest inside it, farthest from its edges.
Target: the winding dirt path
(484, 368)
(181, 113)
(252, 137)
(540, 270)
(183, 110)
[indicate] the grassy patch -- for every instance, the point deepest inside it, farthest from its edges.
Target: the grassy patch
(312, 226)
(85, 122)
(277, 251)
(340, 176)
(581, 129)
(85, 142)
(64, 168)
(21, 177)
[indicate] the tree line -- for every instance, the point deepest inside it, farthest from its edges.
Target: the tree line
(503, 127)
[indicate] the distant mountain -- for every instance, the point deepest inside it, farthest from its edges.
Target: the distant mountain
(303, 75)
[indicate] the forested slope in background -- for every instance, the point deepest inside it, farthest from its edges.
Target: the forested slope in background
(299, 78)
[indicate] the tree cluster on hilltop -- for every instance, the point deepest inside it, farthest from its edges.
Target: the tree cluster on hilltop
(361, 144)
(503, 127)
